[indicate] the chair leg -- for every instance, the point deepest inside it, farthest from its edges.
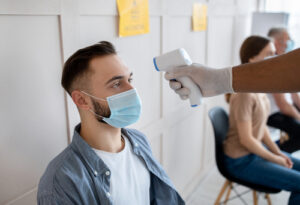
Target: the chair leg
(228, 192)
(225, 186)
(254, 198)
(268, 199)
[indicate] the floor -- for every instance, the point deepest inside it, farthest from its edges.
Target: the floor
(211, 185)
(209, 188)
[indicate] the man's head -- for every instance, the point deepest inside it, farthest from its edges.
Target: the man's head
(281, 38)
(97, 71)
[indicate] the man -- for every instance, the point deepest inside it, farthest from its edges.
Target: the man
(105, 163)
(282, 40)
(284, 113)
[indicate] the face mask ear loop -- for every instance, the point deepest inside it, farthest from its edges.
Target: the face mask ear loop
(92, 96)
(95, 113)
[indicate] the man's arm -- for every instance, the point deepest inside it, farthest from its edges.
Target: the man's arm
(296, 99)
(285, 107)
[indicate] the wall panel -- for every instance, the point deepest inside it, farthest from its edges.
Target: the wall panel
(178, 34)
(182, 146)
(96, 7)
(38, 119)
(220, 40)
(32, 116)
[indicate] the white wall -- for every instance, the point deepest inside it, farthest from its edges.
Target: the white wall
(37, 118)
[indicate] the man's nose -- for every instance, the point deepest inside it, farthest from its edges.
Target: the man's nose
(129, 86)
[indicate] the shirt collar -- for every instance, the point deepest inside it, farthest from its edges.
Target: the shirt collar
(93, 162)
(132, 140)
(84, 150)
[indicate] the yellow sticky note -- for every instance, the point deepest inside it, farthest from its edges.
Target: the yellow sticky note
(134, 17)
(199, 17)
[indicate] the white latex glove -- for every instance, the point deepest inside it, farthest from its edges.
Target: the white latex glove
(211, 81)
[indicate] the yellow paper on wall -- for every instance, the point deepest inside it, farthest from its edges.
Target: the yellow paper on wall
(133, 17)
(199, 17)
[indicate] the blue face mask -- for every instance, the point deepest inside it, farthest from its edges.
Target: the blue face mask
(125, 108)
(289, 45)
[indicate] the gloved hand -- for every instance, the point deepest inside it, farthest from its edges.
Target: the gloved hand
(210, 81)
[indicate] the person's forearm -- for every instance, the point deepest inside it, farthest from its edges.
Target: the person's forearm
(279, 74)
(270, 144)
(297, 105)
(296, 99)
(256, 147)
(291, 111)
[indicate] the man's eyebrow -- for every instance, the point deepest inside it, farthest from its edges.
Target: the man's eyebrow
(117, 78)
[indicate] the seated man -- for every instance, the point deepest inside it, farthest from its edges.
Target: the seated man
(105, 163)
(284, 113)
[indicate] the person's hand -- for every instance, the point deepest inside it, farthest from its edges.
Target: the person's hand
(278, 159)
(210, 81)
(288, 160)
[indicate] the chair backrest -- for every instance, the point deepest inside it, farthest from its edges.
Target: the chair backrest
(220, 123)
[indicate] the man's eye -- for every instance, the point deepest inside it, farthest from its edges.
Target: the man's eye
(130, 80)
(116, 84)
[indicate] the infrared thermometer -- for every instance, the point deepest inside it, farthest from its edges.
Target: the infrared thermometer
(179, 57)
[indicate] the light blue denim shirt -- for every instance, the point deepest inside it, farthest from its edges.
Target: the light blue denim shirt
(77, 175)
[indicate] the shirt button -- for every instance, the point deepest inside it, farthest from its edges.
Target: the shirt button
(107, 173)
(96, 173)
(136, 144)
(107, 194)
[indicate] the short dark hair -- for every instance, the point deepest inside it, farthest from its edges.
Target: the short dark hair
(252, 46)
(77, 65)
(273, 32)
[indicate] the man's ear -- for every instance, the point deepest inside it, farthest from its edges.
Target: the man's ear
(80, 100)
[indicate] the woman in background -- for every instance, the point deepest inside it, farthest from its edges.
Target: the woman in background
(250, 153)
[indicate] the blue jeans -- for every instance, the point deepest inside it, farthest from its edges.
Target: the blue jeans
(257, 170)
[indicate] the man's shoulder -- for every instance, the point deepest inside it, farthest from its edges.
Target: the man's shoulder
(68, 176)
(58, 168)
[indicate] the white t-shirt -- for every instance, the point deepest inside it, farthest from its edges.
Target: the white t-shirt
(274, 107)
(130, 179)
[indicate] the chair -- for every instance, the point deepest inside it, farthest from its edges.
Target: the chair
(220, 123)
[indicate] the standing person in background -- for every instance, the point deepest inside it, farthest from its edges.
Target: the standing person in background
(284, 113)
